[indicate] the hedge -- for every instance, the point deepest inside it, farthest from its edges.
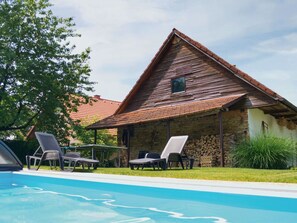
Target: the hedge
(22, 148)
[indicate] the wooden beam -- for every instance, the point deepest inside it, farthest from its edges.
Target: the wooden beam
(271, 112)
(285, 116)
(221, 139)
(168, 133)
(128, 144)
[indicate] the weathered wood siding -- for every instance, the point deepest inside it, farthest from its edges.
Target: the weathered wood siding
(205, 79)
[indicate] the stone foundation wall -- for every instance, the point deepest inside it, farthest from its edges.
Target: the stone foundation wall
(203, 136)
(150, 137)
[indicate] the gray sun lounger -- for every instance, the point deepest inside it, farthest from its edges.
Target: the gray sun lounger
(174, 145)
(49, 150)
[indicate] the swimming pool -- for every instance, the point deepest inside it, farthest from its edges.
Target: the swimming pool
(25, 198)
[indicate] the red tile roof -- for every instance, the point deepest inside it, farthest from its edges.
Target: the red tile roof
(100, 108)
(166, 112)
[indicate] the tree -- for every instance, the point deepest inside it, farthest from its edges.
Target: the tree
(41, 78)
(87, 137)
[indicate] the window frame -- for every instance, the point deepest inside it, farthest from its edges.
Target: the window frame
(184, 88)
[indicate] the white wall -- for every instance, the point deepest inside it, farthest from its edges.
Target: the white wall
(255, 118)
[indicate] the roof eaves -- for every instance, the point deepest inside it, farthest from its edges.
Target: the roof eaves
(111, 121)
(287, 103)
(229, 104)
(97, 124)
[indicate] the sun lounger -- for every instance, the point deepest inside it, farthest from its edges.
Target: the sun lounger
(179, 159)
(150, 159)
(49, 150)
(174, 145)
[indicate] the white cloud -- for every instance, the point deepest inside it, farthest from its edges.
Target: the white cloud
(286, 44)
(115, 12)
(214, 22)
(278, 75)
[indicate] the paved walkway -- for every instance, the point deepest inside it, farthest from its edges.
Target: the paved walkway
(251, 188)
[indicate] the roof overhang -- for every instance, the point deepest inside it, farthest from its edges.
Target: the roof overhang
(282, 109)
(205, 107)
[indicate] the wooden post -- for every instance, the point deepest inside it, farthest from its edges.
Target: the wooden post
(221, 139)
(168, 130)
(128, 145)
(95, 136)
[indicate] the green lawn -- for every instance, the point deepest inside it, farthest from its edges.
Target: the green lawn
(213, 173)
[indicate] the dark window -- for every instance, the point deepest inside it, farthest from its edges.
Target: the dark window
(178, 84)
(264, 128)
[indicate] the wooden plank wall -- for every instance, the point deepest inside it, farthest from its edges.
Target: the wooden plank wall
(205, 79)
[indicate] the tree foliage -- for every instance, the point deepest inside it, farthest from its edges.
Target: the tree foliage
(42, 79)
(87, 137)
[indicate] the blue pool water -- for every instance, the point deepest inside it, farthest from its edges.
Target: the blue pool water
(25, 199)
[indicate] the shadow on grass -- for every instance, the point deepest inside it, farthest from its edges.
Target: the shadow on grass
(159, 170)
(128, 170)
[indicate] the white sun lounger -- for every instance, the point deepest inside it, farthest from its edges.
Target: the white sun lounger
(174, 145)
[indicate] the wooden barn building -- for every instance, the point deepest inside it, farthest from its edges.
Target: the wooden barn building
(189, 90)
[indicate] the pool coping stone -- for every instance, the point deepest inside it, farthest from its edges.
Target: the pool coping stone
(234, 187)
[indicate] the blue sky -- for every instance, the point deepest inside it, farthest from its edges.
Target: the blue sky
(259, 37)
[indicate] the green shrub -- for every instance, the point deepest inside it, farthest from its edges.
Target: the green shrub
(264, 152)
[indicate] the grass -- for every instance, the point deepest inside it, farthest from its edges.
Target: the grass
(213, 173)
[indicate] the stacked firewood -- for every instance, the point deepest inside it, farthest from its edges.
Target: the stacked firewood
(206, 150)
(291, 125)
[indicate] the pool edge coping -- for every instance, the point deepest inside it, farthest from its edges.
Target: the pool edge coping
(233, 187)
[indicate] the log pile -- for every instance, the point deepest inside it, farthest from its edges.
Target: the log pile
(291, 125)
(206, 150)
(282, 121)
